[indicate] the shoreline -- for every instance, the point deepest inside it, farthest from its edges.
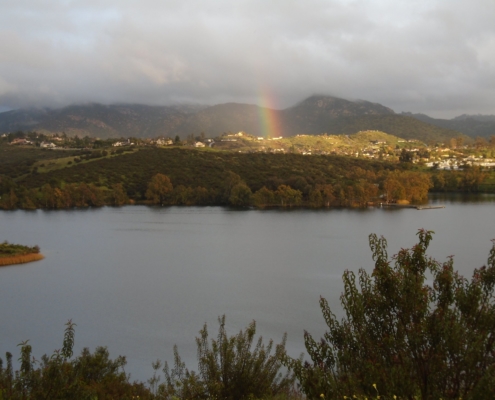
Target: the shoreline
(20, 259)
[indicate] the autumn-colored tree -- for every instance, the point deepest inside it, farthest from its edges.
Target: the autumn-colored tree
(201, 195)
(9, 201)
(47, 196)
(181, 195)
(407, 185)
(28, 199)
(287, 196)
(90, 195)
(240, 195)
(119, 196)
(416, 185)
(315, 198)
(159, 188)
(439, 181)
(321, 195)
(472, 178)
(230, 180)
(264, 197)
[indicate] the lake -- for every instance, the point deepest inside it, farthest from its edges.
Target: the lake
(139, 279)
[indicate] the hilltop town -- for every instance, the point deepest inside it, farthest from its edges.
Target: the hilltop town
(369, 144)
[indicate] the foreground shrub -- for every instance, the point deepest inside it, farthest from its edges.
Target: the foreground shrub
(229, 368)
(59, 376)
(411, 337)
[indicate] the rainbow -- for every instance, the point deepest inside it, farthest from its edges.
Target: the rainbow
(269, 116)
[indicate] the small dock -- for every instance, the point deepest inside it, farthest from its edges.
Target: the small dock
(425, 207)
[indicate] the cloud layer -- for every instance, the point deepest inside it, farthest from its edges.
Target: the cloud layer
(431, 56)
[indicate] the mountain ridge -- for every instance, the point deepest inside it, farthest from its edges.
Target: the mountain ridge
(470, 125)
(316, 114)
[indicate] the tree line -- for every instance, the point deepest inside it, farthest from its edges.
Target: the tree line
(359, 190)
(222, 178)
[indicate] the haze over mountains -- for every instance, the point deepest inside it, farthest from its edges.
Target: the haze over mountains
(470, 125)
(314, 115)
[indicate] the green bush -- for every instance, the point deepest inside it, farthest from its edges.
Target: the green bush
(229, 368)
(59, 376)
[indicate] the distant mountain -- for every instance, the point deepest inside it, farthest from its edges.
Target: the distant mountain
(114, 121)
(215, 120)
(476, 117)
(315, 115)
(321, 114)
(470, 125)
(23, 119)
(333, 107)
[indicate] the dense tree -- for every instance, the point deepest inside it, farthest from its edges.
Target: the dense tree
(472, 178)
(406, 185)
(240, 195)
(315, 198)
(119, 196)
(47, 196)
(264, 197)
(9, 201)
(404, 335)
(182, 195)
(6, 184)
(288, 197)
(231, 179)
(159, 189)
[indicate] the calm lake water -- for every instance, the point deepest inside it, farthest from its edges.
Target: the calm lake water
(140, 279)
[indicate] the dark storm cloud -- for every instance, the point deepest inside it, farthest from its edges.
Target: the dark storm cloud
(436, 57)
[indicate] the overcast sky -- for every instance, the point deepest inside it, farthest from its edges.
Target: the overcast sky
(430, 56)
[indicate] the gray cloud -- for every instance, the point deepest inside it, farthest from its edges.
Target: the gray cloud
(436, 57)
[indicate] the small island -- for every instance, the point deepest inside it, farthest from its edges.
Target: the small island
(18, 254)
